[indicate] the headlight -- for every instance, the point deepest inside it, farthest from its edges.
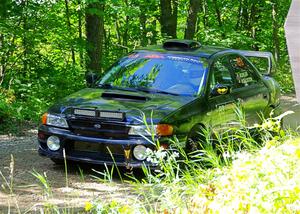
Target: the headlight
(54, 120)
(139, 152)
(164, 130)
(157, 130)
(142, 130)
(53, 143)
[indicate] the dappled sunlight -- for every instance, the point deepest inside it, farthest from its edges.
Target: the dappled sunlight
(75, 196)
(161, 106)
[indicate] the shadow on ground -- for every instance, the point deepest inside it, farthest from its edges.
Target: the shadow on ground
(289, 103)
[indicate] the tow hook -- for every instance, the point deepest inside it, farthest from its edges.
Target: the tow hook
(127, 154)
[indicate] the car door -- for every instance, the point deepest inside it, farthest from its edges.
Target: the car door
(222, 106)
(263, 61)
(249, 90)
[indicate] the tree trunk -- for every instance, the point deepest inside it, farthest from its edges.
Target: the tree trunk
(125, 35)
(7, 52)
(218, 13)
(143, 19)
(118, 34)
(205, 15)
(168, 17)
(94, 35)
(2, 61)
(3, 13)
(192, 19)
(238, 22)
(245, 15)
(252, 22)
(154, 33)
(80, 32)
(174, 18)
(69, 29)
(24, 4)
(275, 32)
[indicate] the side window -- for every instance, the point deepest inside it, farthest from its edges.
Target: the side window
(244, 73)
(221, 73)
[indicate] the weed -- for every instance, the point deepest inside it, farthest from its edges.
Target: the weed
(231, 172)
(43, 181)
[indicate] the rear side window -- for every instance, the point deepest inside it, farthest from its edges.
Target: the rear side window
(244, 73)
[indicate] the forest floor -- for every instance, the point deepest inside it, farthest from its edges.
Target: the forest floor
(27, 193)
(82, 187)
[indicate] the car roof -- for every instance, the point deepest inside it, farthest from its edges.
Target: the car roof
(203, 51)
(185, 47)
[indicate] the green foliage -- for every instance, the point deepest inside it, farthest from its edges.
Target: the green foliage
(37, 39)
(284, 78)
(36, 69)
(243, 176)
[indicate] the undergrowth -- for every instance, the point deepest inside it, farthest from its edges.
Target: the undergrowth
(240, 171)
(238, 174)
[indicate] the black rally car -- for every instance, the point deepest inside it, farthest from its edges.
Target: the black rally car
(179, 87)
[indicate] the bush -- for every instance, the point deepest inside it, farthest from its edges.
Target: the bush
(284, 77)
(249, 178)
(32, 94)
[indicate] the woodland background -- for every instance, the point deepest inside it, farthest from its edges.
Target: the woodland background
(47, 46)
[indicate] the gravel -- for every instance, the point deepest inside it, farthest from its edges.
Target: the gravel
(27, 192)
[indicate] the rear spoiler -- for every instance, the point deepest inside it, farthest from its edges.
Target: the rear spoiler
(268, 56)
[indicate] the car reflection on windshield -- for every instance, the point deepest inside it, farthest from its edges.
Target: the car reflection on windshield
(157, 73)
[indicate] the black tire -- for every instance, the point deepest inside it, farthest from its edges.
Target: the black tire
(57, 161)
(196, 139)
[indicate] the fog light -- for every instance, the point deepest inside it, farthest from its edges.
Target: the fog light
(139, 152)
(53, 143)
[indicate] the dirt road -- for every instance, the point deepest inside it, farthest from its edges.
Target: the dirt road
(293, 120)
(28, 195)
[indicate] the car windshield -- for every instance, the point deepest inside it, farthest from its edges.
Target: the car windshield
(157, 72)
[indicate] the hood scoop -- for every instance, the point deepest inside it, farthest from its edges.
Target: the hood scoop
(125, 97)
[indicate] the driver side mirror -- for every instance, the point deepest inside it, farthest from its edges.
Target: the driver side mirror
(220, 89)
(91, 78)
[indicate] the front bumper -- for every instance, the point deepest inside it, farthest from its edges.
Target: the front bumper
(115, 155)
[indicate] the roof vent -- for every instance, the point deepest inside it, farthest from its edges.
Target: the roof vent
(181, 45)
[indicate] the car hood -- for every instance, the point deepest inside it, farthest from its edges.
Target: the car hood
(155, 106)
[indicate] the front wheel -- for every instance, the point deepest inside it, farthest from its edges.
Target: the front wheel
(196, 140)
(57, 161)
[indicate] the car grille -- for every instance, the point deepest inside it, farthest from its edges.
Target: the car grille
(95, 128)
(98, 147)
(95, 151)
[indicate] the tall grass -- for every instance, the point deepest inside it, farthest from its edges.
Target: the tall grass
(244, 170)
(8, 185)
(224, 175)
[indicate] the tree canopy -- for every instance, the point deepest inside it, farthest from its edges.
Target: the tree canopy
(46, 47)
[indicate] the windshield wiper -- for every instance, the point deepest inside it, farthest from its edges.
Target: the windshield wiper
(152, 90)
(143, 89)
(110, 86)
